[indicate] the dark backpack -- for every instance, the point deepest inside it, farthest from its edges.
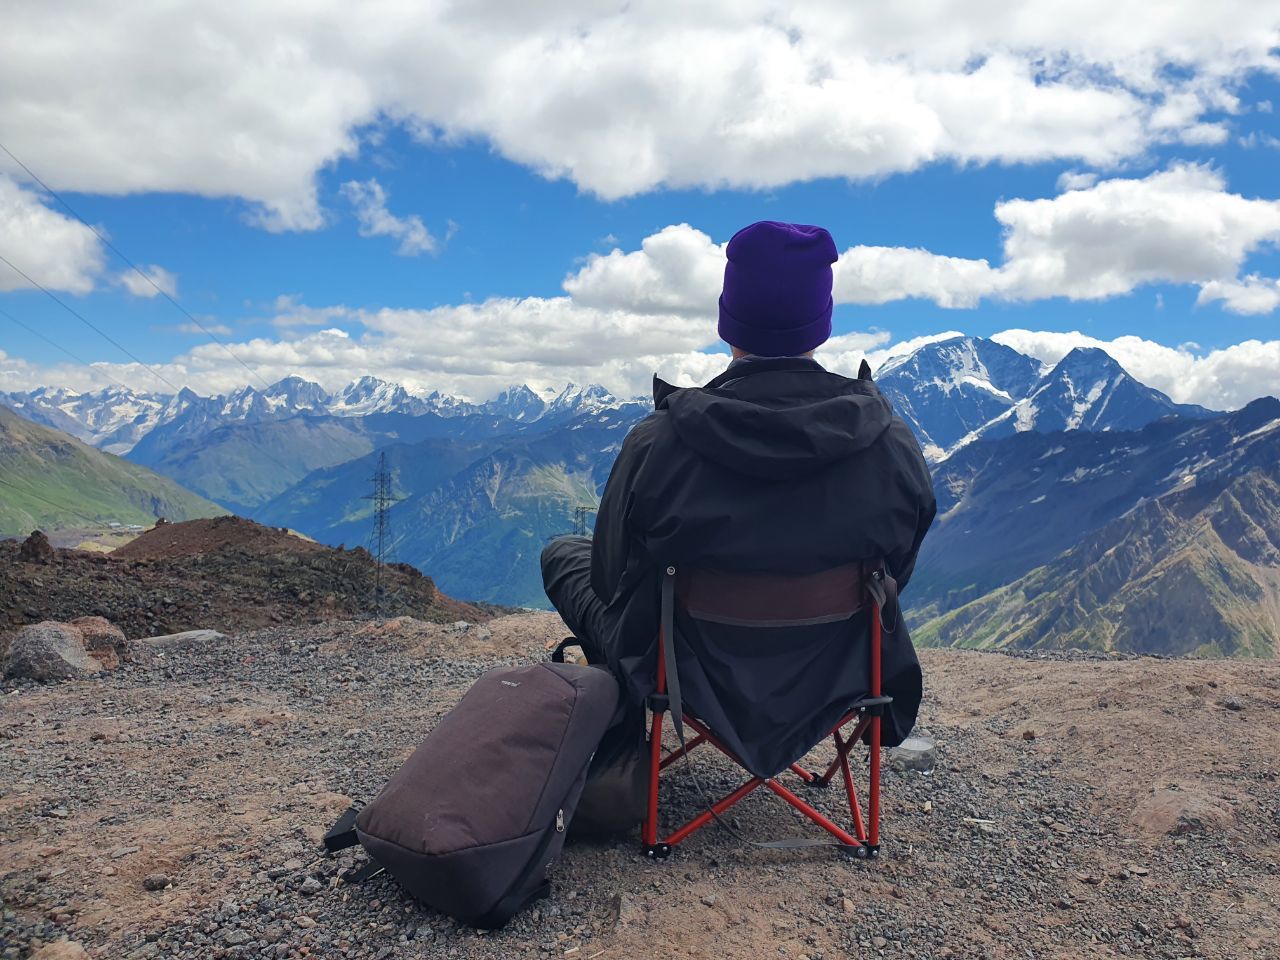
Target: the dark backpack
(615, 797)
(471, 821)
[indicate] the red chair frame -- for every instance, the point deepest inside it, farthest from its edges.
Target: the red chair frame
(863, 842)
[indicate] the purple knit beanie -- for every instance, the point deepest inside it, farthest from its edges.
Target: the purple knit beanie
(777, 289)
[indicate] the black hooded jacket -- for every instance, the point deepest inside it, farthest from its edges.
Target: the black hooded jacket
(775, 466)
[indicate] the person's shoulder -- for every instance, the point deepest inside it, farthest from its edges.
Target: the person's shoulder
(649, 430)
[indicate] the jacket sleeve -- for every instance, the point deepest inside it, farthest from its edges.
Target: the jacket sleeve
(920, 486)
(611, 544)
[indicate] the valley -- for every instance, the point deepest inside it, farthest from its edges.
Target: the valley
(1047, 476)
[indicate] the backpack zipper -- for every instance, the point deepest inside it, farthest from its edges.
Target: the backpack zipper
(559, 821)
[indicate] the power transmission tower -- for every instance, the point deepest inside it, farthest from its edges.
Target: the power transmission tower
(380, 539)
(580, 515)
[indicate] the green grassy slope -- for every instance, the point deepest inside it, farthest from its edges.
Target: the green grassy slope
(51, 480)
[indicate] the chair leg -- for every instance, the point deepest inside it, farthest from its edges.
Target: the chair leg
(854, 809)
(873, 811)
(652, 848)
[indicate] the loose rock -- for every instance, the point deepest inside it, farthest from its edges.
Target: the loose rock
(49, 651)
(155, 881)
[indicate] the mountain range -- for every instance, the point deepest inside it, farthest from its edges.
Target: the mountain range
(1036, 515)
(1032, 464)
(957, 391)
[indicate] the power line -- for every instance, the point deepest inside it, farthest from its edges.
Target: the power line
(133, 266)
(263, 452)
(57, 346)
(98, 330)
(164, 293)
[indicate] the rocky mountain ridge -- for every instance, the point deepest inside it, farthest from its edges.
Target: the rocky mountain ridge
(957, 391)
(116, 419)
(1006, 507)
(1193, 572)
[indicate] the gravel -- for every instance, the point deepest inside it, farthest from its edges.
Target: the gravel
(221, 767)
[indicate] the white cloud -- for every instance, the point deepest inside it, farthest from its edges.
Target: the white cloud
(676, 270)
(1221, 379)
(611, 328)
(55, 251)
(1076, 180)
(369, 200)
(290, 312)
(1105, 239)
(1177, 226)
(882, 274)
(260, 96)
(1251, 294)
(1097, 239)
(195, 329)
(156, 280)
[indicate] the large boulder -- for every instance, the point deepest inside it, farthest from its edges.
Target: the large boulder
(103, 641)
(49, 651)
(36, 549)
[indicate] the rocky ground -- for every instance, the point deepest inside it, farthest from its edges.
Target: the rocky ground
(226, 573)
(1109, 808)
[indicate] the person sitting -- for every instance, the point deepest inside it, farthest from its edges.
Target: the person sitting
(777, 466)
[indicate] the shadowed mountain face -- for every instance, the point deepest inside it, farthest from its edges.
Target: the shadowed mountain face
(244, 464)
(52, 480)
(1196, 571)
(1085, 390)
(949, 389)
(1009, 506)
(476, 511)
(955, 392)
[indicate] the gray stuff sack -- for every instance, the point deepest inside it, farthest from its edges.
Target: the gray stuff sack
(470, 822)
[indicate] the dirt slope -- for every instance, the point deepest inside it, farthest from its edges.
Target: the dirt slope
(227, 573)
(1108, 808)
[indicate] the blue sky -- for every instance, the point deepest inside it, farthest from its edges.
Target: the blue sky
(513, 233)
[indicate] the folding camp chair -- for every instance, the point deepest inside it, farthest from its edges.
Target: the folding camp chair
(750, 630)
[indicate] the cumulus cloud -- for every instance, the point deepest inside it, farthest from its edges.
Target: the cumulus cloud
(260, 96)
(876, 275)
(1093, 241)
(1076, 180)
(611, 327)
(676, 270)
(1178, 225)
(153, 281)
(1251, 294)
(369, 200)
(53, 250)
(1096, 239)
(476, 350)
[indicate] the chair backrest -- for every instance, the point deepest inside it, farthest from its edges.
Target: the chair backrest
(771, 662)
(772, 600)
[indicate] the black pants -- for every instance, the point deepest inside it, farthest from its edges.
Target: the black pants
(566, 576)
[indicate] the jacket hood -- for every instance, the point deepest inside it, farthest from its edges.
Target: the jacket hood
(776, 419)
